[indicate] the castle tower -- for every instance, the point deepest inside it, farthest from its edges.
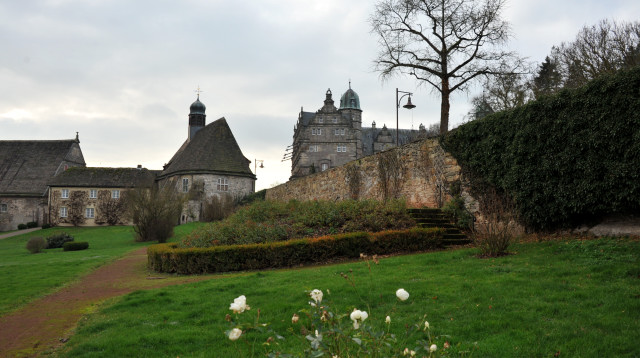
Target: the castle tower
(197, 117)
(350, 108)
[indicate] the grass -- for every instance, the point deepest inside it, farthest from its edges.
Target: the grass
(579, 298)
(25, 276)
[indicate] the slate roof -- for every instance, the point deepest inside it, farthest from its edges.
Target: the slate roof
(105, 178)
(27, 165)
(212, 150)
(370, 134)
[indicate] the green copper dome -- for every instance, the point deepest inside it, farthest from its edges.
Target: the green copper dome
(197, 107)
(350, 100)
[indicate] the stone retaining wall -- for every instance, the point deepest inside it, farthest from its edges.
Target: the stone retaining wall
(420, 172)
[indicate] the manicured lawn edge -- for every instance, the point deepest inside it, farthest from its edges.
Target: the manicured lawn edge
(171, 259)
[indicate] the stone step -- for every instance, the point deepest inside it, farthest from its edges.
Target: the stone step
(431, 217)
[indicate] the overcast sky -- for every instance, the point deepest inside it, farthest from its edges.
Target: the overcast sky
(123, 73)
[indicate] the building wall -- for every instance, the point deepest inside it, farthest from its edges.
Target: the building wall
(105, 208)
(203, 187)
(428, 171)
(21, 210)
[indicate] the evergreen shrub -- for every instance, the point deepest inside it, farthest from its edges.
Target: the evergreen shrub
(170, 258)
(58, 240)
(22, 226)
(75, 246)
(32, 224)
(564, 159)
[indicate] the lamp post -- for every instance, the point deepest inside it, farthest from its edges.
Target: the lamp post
(409, 105)
(255, 165)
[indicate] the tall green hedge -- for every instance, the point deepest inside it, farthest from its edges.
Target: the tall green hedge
(565, 159)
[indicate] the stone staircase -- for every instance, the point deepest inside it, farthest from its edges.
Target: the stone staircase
(429, 217)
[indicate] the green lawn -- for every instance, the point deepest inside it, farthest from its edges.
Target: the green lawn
(579, 298)
(25, 276)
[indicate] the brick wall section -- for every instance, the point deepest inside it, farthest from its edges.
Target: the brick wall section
(429, 171)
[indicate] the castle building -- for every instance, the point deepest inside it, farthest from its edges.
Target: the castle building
(209, 163)
(331, 137)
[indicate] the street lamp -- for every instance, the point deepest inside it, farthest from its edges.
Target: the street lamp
(409, 105)
(255, 165)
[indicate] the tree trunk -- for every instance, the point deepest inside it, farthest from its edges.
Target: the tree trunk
(444, 107)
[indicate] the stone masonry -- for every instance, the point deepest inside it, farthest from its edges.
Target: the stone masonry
(424, 179)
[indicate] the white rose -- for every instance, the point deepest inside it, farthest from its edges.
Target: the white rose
(316, 295)
(239, 304)
(433, 348)
(388, 320)
(402, 294)
(426, 324)
(234, 334)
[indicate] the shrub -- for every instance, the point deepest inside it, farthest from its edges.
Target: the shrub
(155, 211)
(58, 240)
(32, 224)
(75, 246)
(171, 258)
(494, 234)
(218, 207)
(36, 244)
(46, 226)
(268, 221)
(456, 210)
(22, 226)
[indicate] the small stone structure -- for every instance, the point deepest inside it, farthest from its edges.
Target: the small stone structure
(420, 172)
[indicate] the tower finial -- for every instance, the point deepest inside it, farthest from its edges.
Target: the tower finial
(349, 83)
(198, 91)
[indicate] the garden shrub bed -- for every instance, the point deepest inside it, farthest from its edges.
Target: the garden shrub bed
(172, 259)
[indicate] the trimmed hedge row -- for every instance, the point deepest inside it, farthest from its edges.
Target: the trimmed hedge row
(169, 258)
(564, 159)
(75, 246)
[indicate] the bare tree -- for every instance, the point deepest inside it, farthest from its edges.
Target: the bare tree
(445, 43)
(598, 49)
(154, 211)
(500, 93)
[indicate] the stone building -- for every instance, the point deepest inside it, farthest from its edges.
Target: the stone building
(209, 164)
(331, 137)
(25, 168)
(94, 196)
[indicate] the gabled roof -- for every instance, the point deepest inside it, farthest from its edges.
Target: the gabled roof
(105, 178)
(27, 165)
(212, 150)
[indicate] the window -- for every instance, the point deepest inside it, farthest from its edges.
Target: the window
(3, 208)
(313, 148)
(313, 131)
(320, 120)
(339, 131)
(63, 212)
(185, 185)
(325, 166)
(89, 213)
(341, 149)
(115, 194)
(319, 131)
(342, 131)
(335, 119)
(93, 194)
(223, 184)
(65, 194)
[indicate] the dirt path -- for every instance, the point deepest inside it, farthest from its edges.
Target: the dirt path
(44, 324)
